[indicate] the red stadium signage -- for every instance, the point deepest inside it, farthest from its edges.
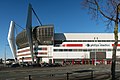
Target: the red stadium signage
(117, 45)
(72, 45)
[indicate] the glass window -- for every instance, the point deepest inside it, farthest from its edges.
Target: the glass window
(55, 49)
(89, 49)
(118, 49)
(60, 49)
(79, 49)
(109, 50)
(65, 49)
(74, 49)
(39, 48)
(84, 49)
(70, 50)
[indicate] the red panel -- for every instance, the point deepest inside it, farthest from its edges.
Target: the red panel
(42, 53)
(117, 45)
(82, 61)
(23, 50)
(73, 45)
(44, 48)
(73, 61)
(23, 55)
(63, 45)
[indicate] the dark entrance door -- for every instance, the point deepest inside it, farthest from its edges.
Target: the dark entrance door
(99, 55)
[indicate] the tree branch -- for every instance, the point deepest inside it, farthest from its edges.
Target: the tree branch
(98, 7)
(91, 2)
(92, 8)
(108, 25)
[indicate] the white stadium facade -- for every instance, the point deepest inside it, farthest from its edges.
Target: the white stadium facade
(73, 48)
(43, 44)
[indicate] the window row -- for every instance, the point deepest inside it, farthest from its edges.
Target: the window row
(40, 48)
(90, 40)
(60, 50)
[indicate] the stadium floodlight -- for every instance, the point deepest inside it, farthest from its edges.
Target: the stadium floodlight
(11, 39)
(29, 30)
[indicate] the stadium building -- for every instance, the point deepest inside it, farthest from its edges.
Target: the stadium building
(74, 48)
(48, 46)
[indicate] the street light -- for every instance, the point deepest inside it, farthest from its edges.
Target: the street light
(95, 38)
(5, 55)
(36, 52)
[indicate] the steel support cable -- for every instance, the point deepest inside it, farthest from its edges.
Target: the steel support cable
(19, 26)
(38, 20)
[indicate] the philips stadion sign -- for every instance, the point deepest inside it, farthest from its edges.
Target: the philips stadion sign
(98, 45)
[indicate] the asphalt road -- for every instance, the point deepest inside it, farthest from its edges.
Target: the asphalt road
(101, 72)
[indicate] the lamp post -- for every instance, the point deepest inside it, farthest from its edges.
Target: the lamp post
(48, 55)
(5, 55)
(95, 38)
(36, 52)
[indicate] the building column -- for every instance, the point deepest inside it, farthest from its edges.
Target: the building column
(52, 61)
(63, 61)
(82, 61)
(102, 61)
(78, 62)
(73, 61)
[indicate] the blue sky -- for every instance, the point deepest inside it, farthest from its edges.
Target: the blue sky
(66, 15)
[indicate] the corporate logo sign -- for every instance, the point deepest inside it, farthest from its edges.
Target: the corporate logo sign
(98, 45)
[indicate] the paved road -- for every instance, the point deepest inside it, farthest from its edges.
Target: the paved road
(54, 73)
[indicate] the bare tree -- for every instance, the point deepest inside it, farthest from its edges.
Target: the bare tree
(108, 11)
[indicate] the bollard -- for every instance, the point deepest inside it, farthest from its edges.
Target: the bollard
(30, 77)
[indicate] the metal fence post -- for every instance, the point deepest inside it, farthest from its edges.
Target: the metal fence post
(67, 76)
(92, 75)
(30, 77)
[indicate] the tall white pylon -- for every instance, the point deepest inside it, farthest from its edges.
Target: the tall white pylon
(11, 39)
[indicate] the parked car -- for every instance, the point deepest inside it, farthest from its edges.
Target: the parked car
(51, 65)
(35, 65)
(44, 64)
(57, 65)
(25, 64)
(15, 65)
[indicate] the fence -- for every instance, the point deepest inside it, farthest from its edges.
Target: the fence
(74, 75)
(64, 76)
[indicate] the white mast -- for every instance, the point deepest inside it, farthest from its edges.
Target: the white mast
(11, 39)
